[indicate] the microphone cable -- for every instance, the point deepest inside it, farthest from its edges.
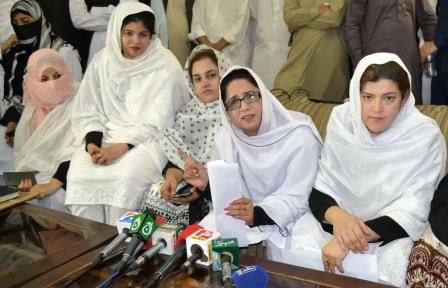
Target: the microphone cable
(117, 252)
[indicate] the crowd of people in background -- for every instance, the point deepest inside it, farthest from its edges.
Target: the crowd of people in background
(93, 98)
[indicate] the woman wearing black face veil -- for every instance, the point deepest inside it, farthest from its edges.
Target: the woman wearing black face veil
(34, 33)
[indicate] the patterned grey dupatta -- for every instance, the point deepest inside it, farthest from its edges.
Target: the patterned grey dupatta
(46, 38)
(196, 123)
(195, 128)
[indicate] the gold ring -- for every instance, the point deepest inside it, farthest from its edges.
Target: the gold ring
(330, 261)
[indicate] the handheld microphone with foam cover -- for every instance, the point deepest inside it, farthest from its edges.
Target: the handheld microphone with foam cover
(172, 261)
(250, 277)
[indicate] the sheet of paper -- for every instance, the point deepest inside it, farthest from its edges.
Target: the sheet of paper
(363, 266)
(225, 186)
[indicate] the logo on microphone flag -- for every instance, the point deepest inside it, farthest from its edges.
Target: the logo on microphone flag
(136, 223)
(148, 228)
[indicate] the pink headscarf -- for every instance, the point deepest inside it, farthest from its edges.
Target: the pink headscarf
(45, 96)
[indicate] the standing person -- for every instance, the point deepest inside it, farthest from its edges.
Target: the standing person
(44, 137)
(271, 39)
(130, 93)
(223, 25)
(317, 62)
(94, 16)
(439, 87)
(194, 131)
(277, 154)
(384, 26)
(34, 33)
(178, 22)
(372, 192)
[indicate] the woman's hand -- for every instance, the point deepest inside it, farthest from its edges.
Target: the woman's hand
(11, 126)
(241, 208)
(173, 177)
(42, 190)
(194, 173)
(94, 152)
(104, 156)
(332, 256)
(12, 40)
(349, 230)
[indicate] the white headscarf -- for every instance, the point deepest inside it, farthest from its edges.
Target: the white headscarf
(393, 174)
(197, 123)
(118, 64)
(277, 166)
(129, 100)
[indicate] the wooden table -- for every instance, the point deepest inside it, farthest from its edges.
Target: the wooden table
(34, 241)
(280, 275)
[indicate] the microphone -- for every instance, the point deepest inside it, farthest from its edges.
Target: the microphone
(198, 248)
(196, 254)
(171, 262)
(110, 247)
(250, 277)
(142, 227)
(168, 233)
(163, 240)
(226, 263)
(225, 257)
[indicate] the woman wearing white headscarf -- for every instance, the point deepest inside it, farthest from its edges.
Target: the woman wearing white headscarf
(277, 153)
(43, 141)
(33, 32)
(129, 95)
(194, 131)
(373, 191)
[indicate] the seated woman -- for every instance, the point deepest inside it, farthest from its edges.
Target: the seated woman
(428, 262)
(193, 132)
(130, 93)
(44, 136)
(33, 32)
(378, 171)
(277, 153)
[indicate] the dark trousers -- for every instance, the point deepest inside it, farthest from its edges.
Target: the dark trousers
(439, 89)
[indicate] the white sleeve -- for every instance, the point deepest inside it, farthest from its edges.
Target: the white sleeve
(197, 23)
(411, 210)
(159, 10)
(87, 111)
(71, 58)
(95, 20)
(238, 28)
(292, 196)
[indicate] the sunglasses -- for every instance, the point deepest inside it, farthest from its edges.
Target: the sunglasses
(249, 97)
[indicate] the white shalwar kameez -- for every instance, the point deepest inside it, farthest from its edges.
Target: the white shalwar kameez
(130, 101)
(277, 166)
(271, 39)
(48, 146)
(393, 174)
(224, 19)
